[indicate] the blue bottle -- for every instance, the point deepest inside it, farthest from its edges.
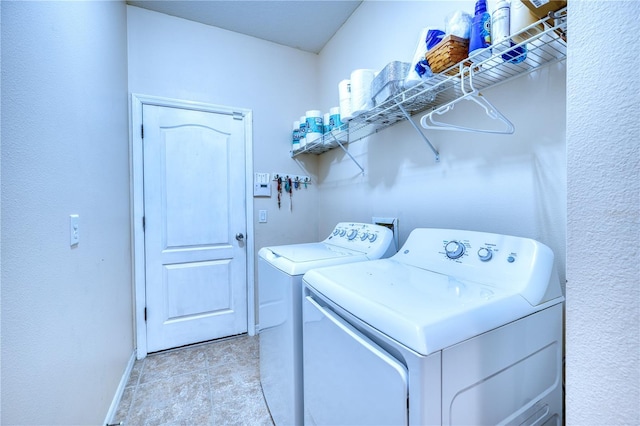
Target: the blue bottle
(480, 32)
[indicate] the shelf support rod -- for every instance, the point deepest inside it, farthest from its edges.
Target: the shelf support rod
(408, 117)
(347, 152)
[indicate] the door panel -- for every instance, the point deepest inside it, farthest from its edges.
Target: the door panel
(195, 155)
(183, 280)
(194, 180)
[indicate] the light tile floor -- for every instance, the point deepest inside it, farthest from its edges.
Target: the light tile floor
(215, 383)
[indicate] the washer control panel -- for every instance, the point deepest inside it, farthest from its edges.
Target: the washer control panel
(364, 237)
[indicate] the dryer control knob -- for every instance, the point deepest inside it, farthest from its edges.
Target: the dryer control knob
(364, 236)
(373, 237)
(485, 254)
(352, 234)
(343, 232)
(454, 249)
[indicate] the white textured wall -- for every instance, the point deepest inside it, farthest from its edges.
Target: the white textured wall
(510, 184)
(176, 58)
(603, 224)
(66, 312)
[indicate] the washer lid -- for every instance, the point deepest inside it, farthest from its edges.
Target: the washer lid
(312, 251)
(296, 259)
(420, 309)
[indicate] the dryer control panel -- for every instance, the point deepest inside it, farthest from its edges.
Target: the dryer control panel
(501, 261)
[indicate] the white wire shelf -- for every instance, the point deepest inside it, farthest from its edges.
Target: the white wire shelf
(545, 43)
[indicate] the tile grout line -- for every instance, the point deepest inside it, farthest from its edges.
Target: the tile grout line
(135, 392)
(212, 410)
(197, 370)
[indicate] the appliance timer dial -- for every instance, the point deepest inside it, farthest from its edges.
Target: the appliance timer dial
(352, 234)
(485, 254)
(454, 249)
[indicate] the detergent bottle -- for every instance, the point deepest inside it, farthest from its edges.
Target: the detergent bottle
(480, 33)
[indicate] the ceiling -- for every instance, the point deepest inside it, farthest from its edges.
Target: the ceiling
(306, 25)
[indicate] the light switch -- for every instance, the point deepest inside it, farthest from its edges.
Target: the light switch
(74, 229)
(262, 216)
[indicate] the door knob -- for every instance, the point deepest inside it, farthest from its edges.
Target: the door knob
(239, 236)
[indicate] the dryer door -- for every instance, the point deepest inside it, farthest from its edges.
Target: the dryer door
(348, 379)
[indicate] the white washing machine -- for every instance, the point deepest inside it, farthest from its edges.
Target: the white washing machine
(458, 328)
(280, 271)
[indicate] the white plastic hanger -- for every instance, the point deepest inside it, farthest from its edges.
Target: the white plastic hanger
(428, 122)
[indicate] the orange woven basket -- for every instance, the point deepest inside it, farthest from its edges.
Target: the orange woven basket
(450, 51)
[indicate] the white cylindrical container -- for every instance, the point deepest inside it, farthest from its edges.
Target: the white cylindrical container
(500, 32)
(344, 92)
(335, 118)
(295, 143)
(338, 127)
(361, 101)
(314, 125)
(520, 18)
(303, 131)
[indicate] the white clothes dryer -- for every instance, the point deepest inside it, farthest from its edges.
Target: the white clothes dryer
(457, 328)
(280, 271)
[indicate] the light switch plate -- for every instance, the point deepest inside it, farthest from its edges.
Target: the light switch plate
(74, 230)
(261, 185)
(262, 216)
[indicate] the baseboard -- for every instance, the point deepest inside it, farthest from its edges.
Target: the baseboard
(120, 391)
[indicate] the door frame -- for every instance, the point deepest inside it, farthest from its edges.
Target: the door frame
(137, 204)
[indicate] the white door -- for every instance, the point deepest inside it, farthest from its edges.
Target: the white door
(195, 223)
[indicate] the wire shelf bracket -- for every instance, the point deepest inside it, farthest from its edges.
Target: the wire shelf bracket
(422, 135)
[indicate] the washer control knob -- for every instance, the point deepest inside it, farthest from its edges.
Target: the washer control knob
(352, 234)
(343, 232)
(485, 254)
(373, 237)
(336, 231)
(364, 236)
(454, 249)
